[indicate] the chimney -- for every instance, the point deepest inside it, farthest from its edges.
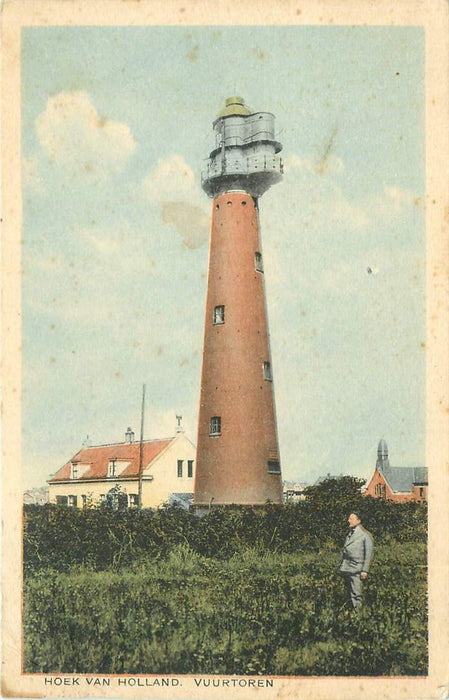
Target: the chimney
(129, 436)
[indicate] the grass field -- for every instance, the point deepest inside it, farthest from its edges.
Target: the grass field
(256, 612)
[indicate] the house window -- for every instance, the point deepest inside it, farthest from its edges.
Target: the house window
(215, 425)
(219, 315)
(84, 500)
(180, 467)
(190, 467)
(274, 466)
(72, 501)
(61, 500)
(258, 262)
(421, 492)
(133, 500)
(102, 497)
(267, 372)
(75, 472)
(112, 468)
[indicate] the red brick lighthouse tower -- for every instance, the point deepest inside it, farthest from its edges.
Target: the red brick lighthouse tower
(237, 449)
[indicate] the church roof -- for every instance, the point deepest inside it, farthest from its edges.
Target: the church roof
(402, 479)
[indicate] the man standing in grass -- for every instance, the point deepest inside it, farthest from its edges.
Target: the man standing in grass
(356, 559)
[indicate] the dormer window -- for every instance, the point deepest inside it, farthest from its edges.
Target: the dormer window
(116, 466)
(78, 469)
(112, 467)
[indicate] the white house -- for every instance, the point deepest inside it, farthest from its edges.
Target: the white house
(168, 467)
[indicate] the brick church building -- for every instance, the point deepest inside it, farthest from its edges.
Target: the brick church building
(398, 484)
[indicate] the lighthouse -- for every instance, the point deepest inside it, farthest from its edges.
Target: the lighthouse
(238, 459)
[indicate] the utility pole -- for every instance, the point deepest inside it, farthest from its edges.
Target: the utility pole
(139, 499)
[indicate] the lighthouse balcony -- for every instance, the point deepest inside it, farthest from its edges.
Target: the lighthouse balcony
(254, 174)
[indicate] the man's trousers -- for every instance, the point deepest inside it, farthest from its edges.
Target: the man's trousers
(353, 584)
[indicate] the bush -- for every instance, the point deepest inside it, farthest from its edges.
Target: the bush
(60, 538)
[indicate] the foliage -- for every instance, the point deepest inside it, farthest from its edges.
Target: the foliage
(239, 591)
(60, 538)
(258, 612)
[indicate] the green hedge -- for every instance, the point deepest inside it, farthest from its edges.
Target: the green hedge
(59, 538)
(259, 612)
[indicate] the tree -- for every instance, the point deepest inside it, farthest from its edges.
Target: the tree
(334, 490)
(328, 504)
(115, 499)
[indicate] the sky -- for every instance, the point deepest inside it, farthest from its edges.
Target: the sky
(116, 127)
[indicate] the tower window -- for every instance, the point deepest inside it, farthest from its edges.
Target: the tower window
(267, 372)
(180, 467)
(244, 203)
(258, 262)
(229, 203)
(219, 315)
(274, 466)
(190, 467)
(215, 426)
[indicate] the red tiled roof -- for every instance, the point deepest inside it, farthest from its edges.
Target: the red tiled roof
(99, 458)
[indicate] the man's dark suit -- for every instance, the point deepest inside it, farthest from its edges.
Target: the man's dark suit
(356, 558)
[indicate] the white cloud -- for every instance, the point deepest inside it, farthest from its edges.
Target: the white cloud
(110, 242)
(76, 137)
(399, 198)
(173, 187)
(321, 202)
(390, 204)
(171, 179)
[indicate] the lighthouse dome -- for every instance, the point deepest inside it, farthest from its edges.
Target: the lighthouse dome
(234, 105)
